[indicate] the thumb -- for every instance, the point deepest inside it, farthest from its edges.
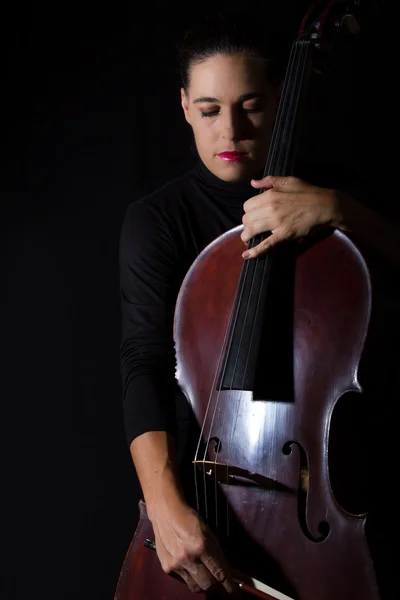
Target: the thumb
(269, 181)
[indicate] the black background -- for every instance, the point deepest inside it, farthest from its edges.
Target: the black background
(92, 119)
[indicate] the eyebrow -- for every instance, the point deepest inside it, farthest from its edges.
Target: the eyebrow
(241, 98)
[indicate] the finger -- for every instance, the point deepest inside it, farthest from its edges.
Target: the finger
(188, 579)
(221, 572)
(202, 576)
(264, 222)
(265, 245)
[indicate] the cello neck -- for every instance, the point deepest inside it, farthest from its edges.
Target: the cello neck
(283, 146)
(242, 352)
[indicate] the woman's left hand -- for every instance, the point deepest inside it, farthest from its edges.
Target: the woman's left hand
(290, 208)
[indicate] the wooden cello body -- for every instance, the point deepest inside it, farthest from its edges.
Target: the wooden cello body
(265, 350)
(320, 548)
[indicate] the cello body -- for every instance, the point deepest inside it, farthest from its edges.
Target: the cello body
(309, 546)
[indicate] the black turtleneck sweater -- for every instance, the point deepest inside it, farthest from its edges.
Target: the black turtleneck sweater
(162, 235)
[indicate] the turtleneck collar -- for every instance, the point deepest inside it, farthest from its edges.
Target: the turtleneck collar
(234, 193)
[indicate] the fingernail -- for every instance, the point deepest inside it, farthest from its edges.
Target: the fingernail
(246, 254)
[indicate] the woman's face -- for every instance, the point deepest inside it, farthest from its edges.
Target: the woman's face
(231, 109)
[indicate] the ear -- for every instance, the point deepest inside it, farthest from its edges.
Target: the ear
(185, 105)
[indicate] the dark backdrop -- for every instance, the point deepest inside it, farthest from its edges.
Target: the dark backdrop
(92, 119)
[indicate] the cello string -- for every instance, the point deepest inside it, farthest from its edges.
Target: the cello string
(296, 67)
(282, 154)
(216, 405)
(282, 116)
(298, 80)
(213, 387)
(299, 68)
(285, 101)
(238, 297)
(304, 63)
(201, 436)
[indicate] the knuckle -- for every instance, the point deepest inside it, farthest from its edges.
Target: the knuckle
(274, 204)
(261, 248)
(248, 205)
(182, 558)
(250, 232)
(287, 233)
(199, 548)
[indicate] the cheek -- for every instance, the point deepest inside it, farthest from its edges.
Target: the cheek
(263, 121)
(263, 128)
(204, 130)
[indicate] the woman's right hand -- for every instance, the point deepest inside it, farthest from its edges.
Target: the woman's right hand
(186, 546)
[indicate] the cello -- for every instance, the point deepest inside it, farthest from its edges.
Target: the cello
(261, 467)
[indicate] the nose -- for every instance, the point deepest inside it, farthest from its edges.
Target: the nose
(230, 126)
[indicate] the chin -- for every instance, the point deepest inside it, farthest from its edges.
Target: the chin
(236, 171)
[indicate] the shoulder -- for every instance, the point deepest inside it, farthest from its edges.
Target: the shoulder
(150, 221)
(162, 202)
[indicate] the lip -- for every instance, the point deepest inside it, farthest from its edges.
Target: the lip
(232, 156)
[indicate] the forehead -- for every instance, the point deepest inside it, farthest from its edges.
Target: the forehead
(227, 77)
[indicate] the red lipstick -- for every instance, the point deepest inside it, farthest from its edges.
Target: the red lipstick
(232, 156)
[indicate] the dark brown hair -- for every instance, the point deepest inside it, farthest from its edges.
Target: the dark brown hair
(220, 34)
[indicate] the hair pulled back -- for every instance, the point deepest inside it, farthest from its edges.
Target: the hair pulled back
(229, 35)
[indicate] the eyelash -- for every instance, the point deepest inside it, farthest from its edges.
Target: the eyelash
(209, 113)
(213, 113)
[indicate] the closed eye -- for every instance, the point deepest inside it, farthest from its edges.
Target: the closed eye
(209, 113)
(215, 112)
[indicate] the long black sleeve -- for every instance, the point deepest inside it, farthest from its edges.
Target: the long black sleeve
(161, 236)
(148, 266)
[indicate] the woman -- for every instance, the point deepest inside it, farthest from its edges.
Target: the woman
(229, 96)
